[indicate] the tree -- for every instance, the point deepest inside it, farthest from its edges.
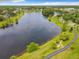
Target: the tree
(2, 18)
(32, 47)
(13, 57)
(54, 46)
(74, 17)
(64, 37)
(48, 12)
(65, 26)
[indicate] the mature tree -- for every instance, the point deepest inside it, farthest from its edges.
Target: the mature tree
(74, 17)
(13, 57)
(47, 12)
(64, 37)
(54, 46)
(65, 26)
(2, 18)
(32, 47)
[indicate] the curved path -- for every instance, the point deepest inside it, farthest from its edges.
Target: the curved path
(64, 48)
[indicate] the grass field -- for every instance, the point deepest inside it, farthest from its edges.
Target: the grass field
(11, 20)
(71, 53)
(45, 49)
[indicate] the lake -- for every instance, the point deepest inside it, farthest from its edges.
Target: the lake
(32, 27)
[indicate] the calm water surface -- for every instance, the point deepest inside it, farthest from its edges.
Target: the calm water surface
(31, 27)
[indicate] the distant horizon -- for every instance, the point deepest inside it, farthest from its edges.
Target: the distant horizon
(39, 3)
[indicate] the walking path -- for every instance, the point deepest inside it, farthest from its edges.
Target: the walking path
(64, 48)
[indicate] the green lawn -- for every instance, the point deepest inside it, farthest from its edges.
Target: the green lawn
(45, 49)
(11, 20)
(48, 47)
(71, 53)
(56, 20)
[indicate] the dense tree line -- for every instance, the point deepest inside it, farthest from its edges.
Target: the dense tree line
(48, 12)
(74, 17)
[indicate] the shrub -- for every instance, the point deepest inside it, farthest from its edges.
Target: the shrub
(64, 37)
(32, 47)
(48, 12)
(54, 46)
(13, 57)
(2, 18)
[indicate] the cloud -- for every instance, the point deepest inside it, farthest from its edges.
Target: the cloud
(18, 0)
(40, 4)
(12, 0)
(57, 3)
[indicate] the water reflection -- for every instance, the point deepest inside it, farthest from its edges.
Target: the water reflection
(31, 27)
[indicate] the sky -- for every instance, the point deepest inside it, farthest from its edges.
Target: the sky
(39, 2)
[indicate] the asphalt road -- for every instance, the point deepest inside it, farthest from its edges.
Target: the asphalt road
(64, 48)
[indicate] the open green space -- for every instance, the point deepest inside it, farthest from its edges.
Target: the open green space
(47, 48)
(59, 41)
(9, 16)
(11, 20)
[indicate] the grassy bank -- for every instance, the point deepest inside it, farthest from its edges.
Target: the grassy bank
(11, 20)
(46, 49)
(71, 53)
(50, 46)
(56, 43)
